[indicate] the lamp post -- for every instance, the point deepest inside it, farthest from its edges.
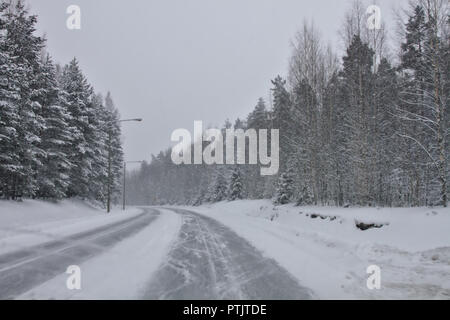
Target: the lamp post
(124, 181)
(108, 201)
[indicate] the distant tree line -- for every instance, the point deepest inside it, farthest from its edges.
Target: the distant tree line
(370, 130)
(58, 139)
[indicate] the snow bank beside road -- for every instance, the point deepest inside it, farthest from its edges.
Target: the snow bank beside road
(32, 222)
(28, 212)
(325, 250)
(412, 229)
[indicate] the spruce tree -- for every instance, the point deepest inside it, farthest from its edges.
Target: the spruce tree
(79, 106)
(218, 191)
(236, 187)
(259, 118)
(21, 43)
(282, 118)
(10, 77)
(385, 144)
(97, 138)
(425, 100)
(54, 174)
(285, 190)
(114, 147)
(358, 79)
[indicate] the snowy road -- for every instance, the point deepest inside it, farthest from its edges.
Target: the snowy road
(232, 250)
(24, 269)
(159, 254)
(210, 261)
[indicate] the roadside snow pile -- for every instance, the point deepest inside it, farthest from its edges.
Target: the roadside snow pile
(32, 222)
(18, 214)
(329, 249)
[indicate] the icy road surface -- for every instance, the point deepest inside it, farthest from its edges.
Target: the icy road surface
(210, 261)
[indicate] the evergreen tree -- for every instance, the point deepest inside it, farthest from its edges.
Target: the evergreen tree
(358, 79)
(218, 191)
(52, 128)
(285, 188)
(235, 190)
(425, 100)
(79, 106)
(53, 175)
(385, 143)
(258, 119)
(97, 139)
(282, 118)
(334, 136)
(114, 148)
(413, 81)
(21, 43)
(10, 76)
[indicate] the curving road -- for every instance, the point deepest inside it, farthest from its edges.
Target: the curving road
(206, 261)
(210, 261)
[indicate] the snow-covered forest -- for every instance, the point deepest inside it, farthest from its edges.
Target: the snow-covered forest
(369, 128)
(58, 138)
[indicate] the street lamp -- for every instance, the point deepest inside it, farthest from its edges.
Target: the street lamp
(124, 180)
(108, 204)
(107, 123)
(128, 120)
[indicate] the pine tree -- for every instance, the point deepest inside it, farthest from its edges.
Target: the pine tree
(385, 143)
(97, 138)
(413, 69)
(285, 190)
(334, 137)
(79, 106)
(21, 44)
(114, 147)
(413, 48)
(10, 76)
(218, 191)
(259, 118)
(425, 100)
(306, 136)
(53, 175)
(358, 78)
(282, 118)
(236, 188)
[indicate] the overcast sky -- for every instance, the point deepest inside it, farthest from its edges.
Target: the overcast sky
(175, 61)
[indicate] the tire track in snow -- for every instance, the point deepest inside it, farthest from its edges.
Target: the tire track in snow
(210, 261)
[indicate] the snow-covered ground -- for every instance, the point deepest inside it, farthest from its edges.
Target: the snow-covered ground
(321, 246)
(32, 222)
(325, 250)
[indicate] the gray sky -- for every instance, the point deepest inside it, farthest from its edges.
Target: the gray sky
(175, 61)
